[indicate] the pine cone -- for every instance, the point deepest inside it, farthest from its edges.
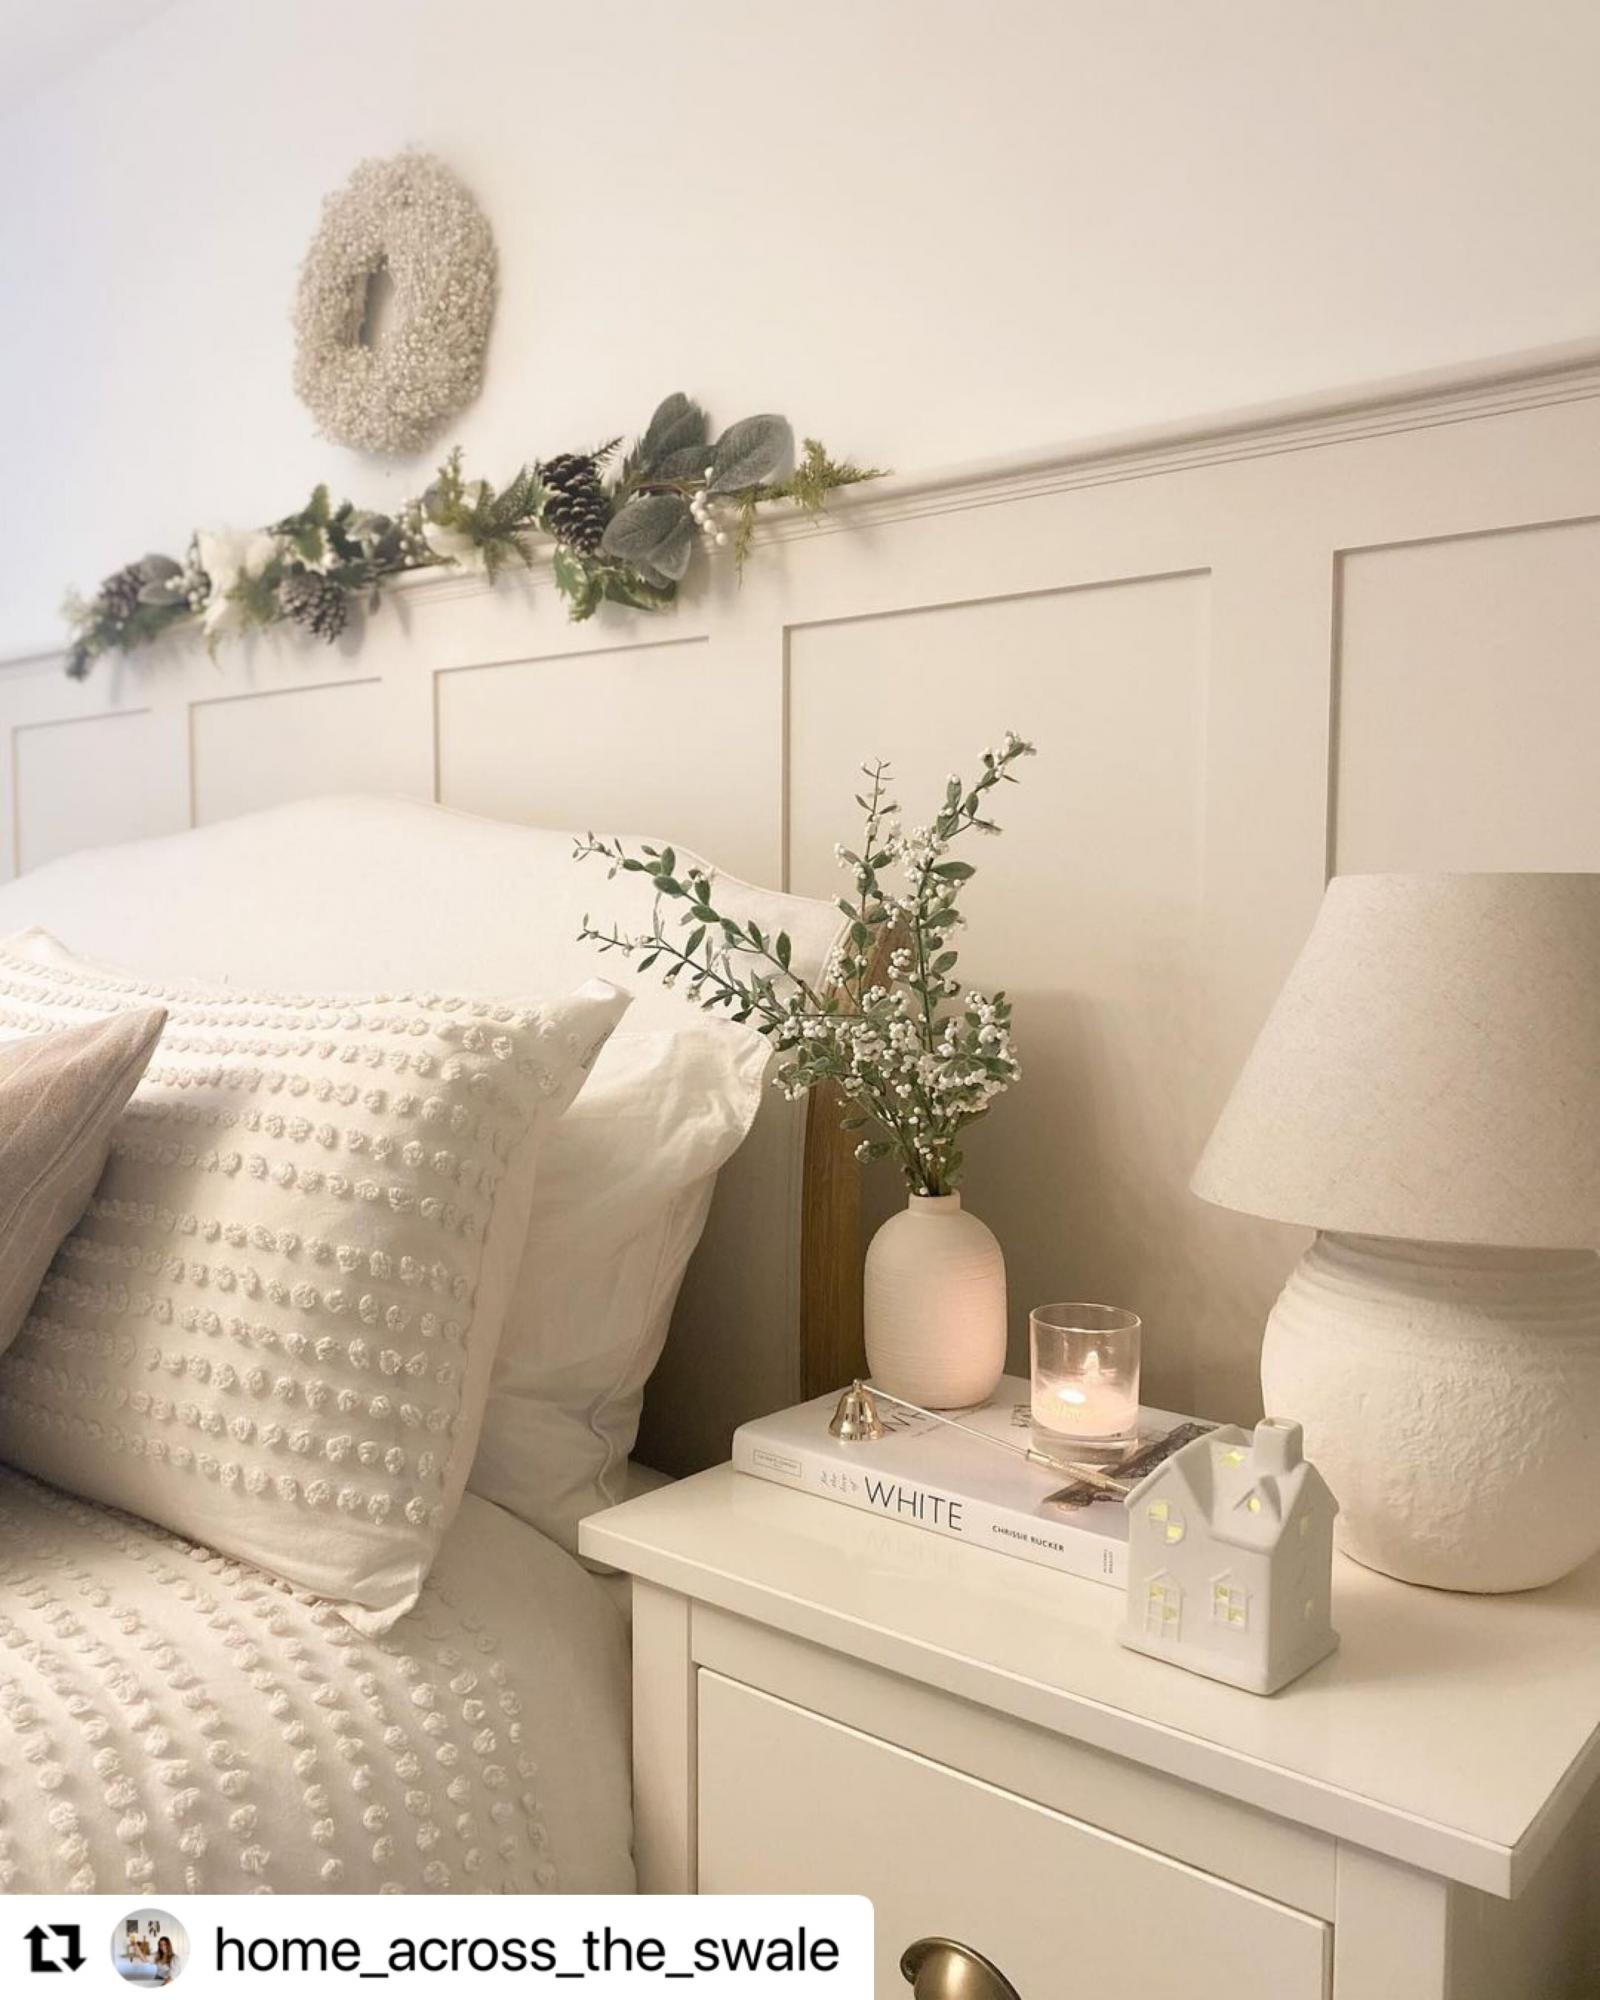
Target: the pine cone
(119, 594)
(316, 602)
(576, 511)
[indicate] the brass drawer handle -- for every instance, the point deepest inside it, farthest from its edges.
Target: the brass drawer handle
(939, 1968)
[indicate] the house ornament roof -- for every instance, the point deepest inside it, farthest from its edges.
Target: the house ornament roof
(1246, 1486)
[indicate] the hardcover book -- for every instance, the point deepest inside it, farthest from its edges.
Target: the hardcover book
(933, 1476)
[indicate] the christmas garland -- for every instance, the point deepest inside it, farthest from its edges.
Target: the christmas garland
(620, 538)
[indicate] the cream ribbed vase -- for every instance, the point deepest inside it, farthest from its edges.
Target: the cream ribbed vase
(935, 1305)
(1451, 1398)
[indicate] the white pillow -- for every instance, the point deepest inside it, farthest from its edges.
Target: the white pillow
(621, 1200)
(274, 1326)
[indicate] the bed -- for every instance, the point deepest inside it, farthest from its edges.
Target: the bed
(182, 1721)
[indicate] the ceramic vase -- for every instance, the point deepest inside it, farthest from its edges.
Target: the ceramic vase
(935, 1305)
(1451, 1397)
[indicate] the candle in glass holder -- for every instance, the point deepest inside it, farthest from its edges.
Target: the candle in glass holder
(1085, 1383)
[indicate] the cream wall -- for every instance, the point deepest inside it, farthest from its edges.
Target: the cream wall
(1366, 640)
(929, 229)
(1362, 641)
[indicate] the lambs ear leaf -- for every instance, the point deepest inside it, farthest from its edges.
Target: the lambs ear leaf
(654, 532)
(689, 462)
(756, 451)
(162, 581)
(677, 424)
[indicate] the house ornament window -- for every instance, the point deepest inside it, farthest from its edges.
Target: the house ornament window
(1166, 1520)
(1163, 1607)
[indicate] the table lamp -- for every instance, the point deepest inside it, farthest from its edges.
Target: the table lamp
(1426, 1095)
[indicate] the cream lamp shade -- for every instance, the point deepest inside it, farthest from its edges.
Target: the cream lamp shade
(1426, 1094)
(1431, 1069)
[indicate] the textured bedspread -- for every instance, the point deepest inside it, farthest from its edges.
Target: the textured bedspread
(172, 1720)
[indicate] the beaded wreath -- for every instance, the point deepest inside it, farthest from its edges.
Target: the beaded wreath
(411, 218)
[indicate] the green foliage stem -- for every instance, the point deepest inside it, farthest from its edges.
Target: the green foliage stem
(915, 1058)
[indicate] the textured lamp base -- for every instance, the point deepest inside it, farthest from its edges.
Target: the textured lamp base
(1451, 1398)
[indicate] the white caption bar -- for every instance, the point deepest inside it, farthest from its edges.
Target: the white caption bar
(594, 1946)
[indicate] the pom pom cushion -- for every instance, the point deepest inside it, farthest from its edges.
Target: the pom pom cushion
(60, 1098)
(619, 1207)
(274, 1326)
(265, 902)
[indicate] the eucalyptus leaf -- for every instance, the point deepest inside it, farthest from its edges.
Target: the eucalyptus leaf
(677, 424)
(654, 532)
(753, 452)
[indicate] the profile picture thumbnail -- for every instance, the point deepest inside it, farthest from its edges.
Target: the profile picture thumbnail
(149, 1947)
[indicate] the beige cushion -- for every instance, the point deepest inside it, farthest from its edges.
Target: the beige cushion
(60, 1098)
(273, 1326)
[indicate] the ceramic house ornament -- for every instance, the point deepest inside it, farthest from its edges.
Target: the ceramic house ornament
(1230, 1558)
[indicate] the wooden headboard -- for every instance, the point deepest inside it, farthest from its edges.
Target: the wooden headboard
(703, 1388)
(831, 1251)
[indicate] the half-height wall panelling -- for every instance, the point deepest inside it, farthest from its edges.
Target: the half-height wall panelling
(1364, 638)
(253, 750)
(673, 732)
(91, 779)
(1086, 911)
(1469, 702)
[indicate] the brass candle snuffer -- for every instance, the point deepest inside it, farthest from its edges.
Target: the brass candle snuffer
(856, 1421)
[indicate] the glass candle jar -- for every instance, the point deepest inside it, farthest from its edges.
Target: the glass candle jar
(1085, 1362)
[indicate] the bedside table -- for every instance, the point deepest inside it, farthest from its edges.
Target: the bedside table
(824, 1701)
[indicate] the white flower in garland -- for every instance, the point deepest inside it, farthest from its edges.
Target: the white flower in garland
(448, 540)
(465, 523)
(454, 545)
(231, 559)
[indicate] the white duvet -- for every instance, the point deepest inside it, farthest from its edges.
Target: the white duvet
(171, 1720)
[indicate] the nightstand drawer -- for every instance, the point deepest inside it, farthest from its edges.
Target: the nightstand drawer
(789, 1801)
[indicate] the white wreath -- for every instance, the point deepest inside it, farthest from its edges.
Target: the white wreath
(411, 217)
